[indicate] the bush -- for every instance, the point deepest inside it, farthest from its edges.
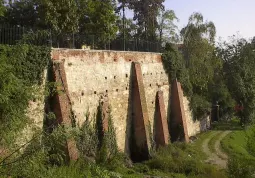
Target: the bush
(240, 167)
(87, 140)
(251, 141)
(48, 158)
(200, 106)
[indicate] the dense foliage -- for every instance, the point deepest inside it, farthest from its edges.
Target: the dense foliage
(177, 160)
(210, 74)
(239, 145)
(93, 22)
(238, 57)
(146, 12)
(181, 158)
(21, 68)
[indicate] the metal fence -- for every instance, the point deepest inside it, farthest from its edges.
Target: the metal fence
(10, 35)
(13, 35)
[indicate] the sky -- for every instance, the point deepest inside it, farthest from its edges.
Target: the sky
(229, 16)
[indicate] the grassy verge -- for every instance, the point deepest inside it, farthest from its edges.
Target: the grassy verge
(198, 144)
(241, 163)
(177, 160)
(233, 124)
(235, 144)
(185, 159)
(213, 140)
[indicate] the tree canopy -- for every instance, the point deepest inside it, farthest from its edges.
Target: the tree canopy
(166, 26)
(239, 74)
(210, 73)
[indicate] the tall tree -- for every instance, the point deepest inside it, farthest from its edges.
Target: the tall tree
(129, 28)
(201, 60)
(98, 18)
(145, 13)
(166, 26)
(198, 37)
(23, 13)
(62, 16)
(197, 30)
(239, 64)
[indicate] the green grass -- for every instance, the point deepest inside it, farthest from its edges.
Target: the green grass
(241, 163)
(197, 145)
(185, 159)
(234, 124)
(235, 144)
(213, 140)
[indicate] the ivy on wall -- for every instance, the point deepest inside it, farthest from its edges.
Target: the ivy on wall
(28, 61)
(21, 67)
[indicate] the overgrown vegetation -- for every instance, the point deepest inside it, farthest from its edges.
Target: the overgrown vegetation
(177, 160)
(238, 57)
(198, 68)
(208, 74)
(239, 146)
(21, 68)
(212, 75)
(182, 158)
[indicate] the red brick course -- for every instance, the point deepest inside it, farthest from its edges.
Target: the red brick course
(140, 113)
(62, 106)
(178, 123)
(60, 54)
(161, 126)
(105, 115)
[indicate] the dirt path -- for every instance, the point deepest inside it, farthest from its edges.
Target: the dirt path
(217, 146)
(219, 158)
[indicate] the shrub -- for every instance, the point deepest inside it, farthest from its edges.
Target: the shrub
(251, 141)
(240, 167)
(200, 106)
(87, 140)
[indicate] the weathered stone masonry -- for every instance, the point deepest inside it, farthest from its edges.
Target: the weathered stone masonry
(62, 106)
(93, 74)
(135, 85)
(140, 117)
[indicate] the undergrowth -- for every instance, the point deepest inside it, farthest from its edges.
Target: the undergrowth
(233, 124)
(47, 159)
(21, 68)
(212, 142)
(182, 158)
(239, 145)
(202, 88)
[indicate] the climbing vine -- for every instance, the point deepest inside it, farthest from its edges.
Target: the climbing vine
(21, 68)
(28, 62)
